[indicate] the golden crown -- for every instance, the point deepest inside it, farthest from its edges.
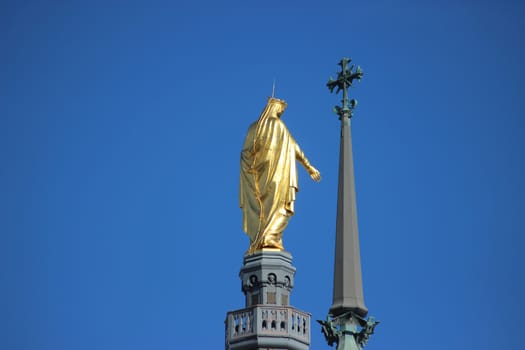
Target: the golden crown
(276, 100)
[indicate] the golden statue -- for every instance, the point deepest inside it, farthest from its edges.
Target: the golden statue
(269, 178)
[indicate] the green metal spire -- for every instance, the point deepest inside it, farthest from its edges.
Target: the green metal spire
(346, 324)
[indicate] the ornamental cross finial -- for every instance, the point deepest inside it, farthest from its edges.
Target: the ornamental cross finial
(344, 80)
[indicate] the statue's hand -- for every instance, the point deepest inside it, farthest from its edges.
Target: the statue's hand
(314, 174)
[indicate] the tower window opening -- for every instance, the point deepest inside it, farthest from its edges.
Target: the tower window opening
(236, 322)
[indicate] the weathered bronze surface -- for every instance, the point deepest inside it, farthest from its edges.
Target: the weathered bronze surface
(345, 79)
(335, 328)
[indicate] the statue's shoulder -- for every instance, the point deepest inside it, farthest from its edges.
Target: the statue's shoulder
(276, 122)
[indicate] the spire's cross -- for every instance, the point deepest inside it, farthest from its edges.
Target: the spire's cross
(345, 78)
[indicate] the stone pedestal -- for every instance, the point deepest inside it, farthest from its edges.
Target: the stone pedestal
(268, 321)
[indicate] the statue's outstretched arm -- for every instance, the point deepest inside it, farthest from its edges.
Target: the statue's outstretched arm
(314, 173)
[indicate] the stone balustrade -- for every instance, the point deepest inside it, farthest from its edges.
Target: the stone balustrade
(282, 321)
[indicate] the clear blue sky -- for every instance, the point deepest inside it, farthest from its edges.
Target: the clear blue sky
(121, 124)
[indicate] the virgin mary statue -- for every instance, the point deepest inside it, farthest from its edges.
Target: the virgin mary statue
(268, 180)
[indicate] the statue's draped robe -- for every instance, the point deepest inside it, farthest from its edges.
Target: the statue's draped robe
(268, 181)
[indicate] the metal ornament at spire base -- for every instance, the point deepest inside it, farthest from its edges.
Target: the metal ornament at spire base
(345, 324)
(343, 330)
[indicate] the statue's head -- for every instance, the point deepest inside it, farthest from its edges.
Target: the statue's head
(275, 106)
(273, 109)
